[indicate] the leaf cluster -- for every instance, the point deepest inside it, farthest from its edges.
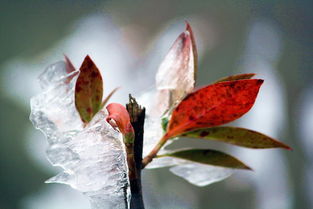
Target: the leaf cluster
(199, 113)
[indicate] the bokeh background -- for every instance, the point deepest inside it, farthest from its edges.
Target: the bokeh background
(127, 40)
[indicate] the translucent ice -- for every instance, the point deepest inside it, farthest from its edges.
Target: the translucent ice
(200, 174)
(176, 72)
(93, 157)
(175, 78)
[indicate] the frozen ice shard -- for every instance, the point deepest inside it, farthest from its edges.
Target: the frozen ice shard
(93, 157)
(176, 73)
(200, 174)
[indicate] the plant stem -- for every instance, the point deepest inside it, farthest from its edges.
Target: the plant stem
(137, 117)
(153, 152)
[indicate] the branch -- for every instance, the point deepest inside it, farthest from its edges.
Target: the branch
(137, 117)
(153, 152)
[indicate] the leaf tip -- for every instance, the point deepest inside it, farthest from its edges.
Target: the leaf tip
(188, 27)
(248, 168)
(69, 65)
(287, 147)
(243, 166)
(87, 57)
(260, 81)
(282, 145)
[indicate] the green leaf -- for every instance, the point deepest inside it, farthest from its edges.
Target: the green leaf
(236, 77)
(207, 156)
(108, 97)
(164, 123)
(88, 90)
(237, 136)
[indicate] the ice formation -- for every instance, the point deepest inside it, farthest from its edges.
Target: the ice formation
(175, 78)
(200, 174)
(92, 157)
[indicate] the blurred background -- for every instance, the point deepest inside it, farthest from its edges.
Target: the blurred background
(128, 40)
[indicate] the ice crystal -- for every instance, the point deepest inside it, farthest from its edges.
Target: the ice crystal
(92, 157)
(200, 174)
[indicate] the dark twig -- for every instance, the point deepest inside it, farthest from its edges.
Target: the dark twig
(137, 117)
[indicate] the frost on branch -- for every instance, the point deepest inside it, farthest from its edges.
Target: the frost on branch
(92, 157)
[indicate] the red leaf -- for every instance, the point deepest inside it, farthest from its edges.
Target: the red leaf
(69, 66)
(69, 69)
(119, 114)
(213, 105)
(88, 90)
